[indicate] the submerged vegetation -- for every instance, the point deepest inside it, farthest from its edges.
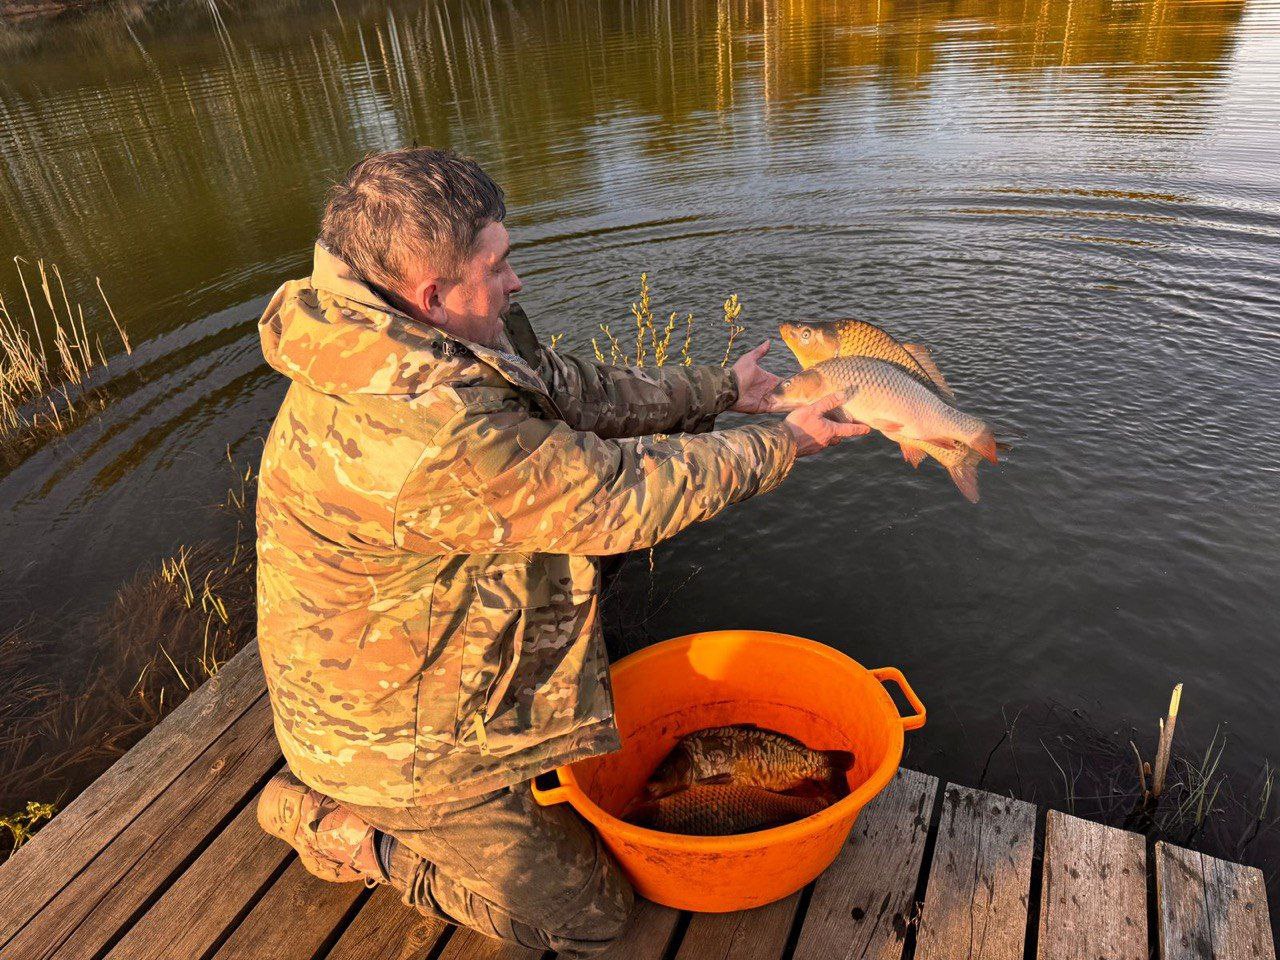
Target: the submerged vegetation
(166, 632)
(1060, 756)
(46, 357)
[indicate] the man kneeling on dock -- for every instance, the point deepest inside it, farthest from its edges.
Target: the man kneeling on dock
(432, 494)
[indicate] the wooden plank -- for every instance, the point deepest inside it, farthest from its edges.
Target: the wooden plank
(221, 885)
(979, 882)
(1094, 899)
(39, 869)
(388, 929)
(759, 934)
(293, 919)
(649, 933)
(1210, 909)
(466, 944)
(862, 905)
(87, 914)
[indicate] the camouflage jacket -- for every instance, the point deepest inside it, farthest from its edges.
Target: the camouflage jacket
(428, 510)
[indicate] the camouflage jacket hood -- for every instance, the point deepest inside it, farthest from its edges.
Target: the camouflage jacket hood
(428, 510)
(356, 343)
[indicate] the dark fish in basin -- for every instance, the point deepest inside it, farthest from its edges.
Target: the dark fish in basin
(717, 810)
(748, 755)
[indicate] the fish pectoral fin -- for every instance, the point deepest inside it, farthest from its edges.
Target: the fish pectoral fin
(913, 455)
(945, 442)
(923, 358)
(886, 426)
(717, 780)
(840, 415)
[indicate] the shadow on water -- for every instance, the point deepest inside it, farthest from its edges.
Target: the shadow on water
(1074, 203)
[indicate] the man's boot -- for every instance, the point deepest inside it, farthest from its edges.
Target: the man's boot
(332, 842)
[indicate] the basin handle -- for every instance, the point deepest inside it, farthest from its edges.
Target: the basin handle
(916, 720)
(552, 795)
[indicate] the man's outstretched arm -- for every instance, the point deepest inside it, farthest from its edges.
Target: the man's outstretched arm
(614, 401)
(506, 481)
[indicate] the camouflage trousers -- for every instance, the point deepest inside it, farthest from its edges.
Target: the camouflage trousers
(503, 865)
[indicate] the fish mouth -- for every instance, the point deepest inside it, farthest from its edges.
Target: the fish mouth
(779, 402)
(788, 333)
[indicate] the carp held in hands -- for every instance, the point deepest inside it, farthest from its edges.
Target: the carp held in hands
(895, 388)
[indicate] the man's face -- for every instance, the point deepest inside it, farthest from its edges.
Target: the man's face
(475, 302)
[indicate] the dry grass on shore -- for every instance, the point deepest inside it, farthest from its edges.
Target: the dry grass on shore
(46, 356)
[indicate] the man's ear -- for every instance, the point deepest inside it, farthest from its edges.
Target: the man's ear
(425, 298)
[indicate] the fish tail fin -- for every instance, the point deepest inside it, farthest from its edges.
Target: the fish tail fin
(639, 812)
(841, 760)
(985, 444)
(965, 476)
(1004, 446)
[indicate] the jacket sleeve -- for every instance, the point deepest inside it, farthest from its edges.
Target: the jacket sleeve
(614, 401)
(506, 481)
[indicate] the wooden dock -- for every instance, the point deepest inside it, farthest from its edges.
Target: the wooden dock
(162, 859)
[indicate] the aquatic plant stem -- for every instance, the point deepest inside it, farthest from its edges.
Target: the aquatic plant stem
(1166, 743)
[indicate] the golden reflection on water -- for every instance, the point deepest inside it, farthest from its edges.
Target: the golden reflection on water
(184, 160)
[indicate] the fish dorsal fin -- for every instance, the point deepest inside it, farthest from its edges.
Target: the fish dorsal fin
(922, 357)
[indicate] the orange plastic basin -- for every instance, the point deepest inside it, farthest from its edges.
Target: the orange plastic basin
(796, 686)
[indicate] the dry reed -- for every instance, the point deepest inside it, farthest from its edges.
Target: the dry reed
(41, 383)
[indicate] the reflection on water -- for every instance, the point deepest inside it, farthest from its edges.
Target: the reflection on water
(1074, 203)
(189, 168)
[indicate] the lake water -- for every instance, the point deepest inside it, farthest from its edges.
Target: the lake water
(1074, 203)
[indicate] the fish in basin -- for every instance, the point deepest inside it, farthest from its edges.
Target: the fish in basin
(720, 809)
(748, 755)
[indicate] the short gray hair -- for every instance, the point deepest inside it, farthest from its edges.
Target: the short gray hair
(402, 207)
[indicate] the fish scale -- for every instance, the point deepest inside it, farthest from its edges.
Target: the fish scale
(883, 393)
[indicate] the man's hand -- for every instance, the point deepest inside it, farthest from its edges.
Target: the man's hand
(812, 430)
(754, 382)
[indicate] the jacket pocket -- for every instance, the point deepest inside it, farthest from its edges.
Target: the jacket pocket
(527, 666)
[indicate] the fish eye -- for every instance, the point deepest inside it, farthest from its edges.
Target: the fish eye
(805, 334)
